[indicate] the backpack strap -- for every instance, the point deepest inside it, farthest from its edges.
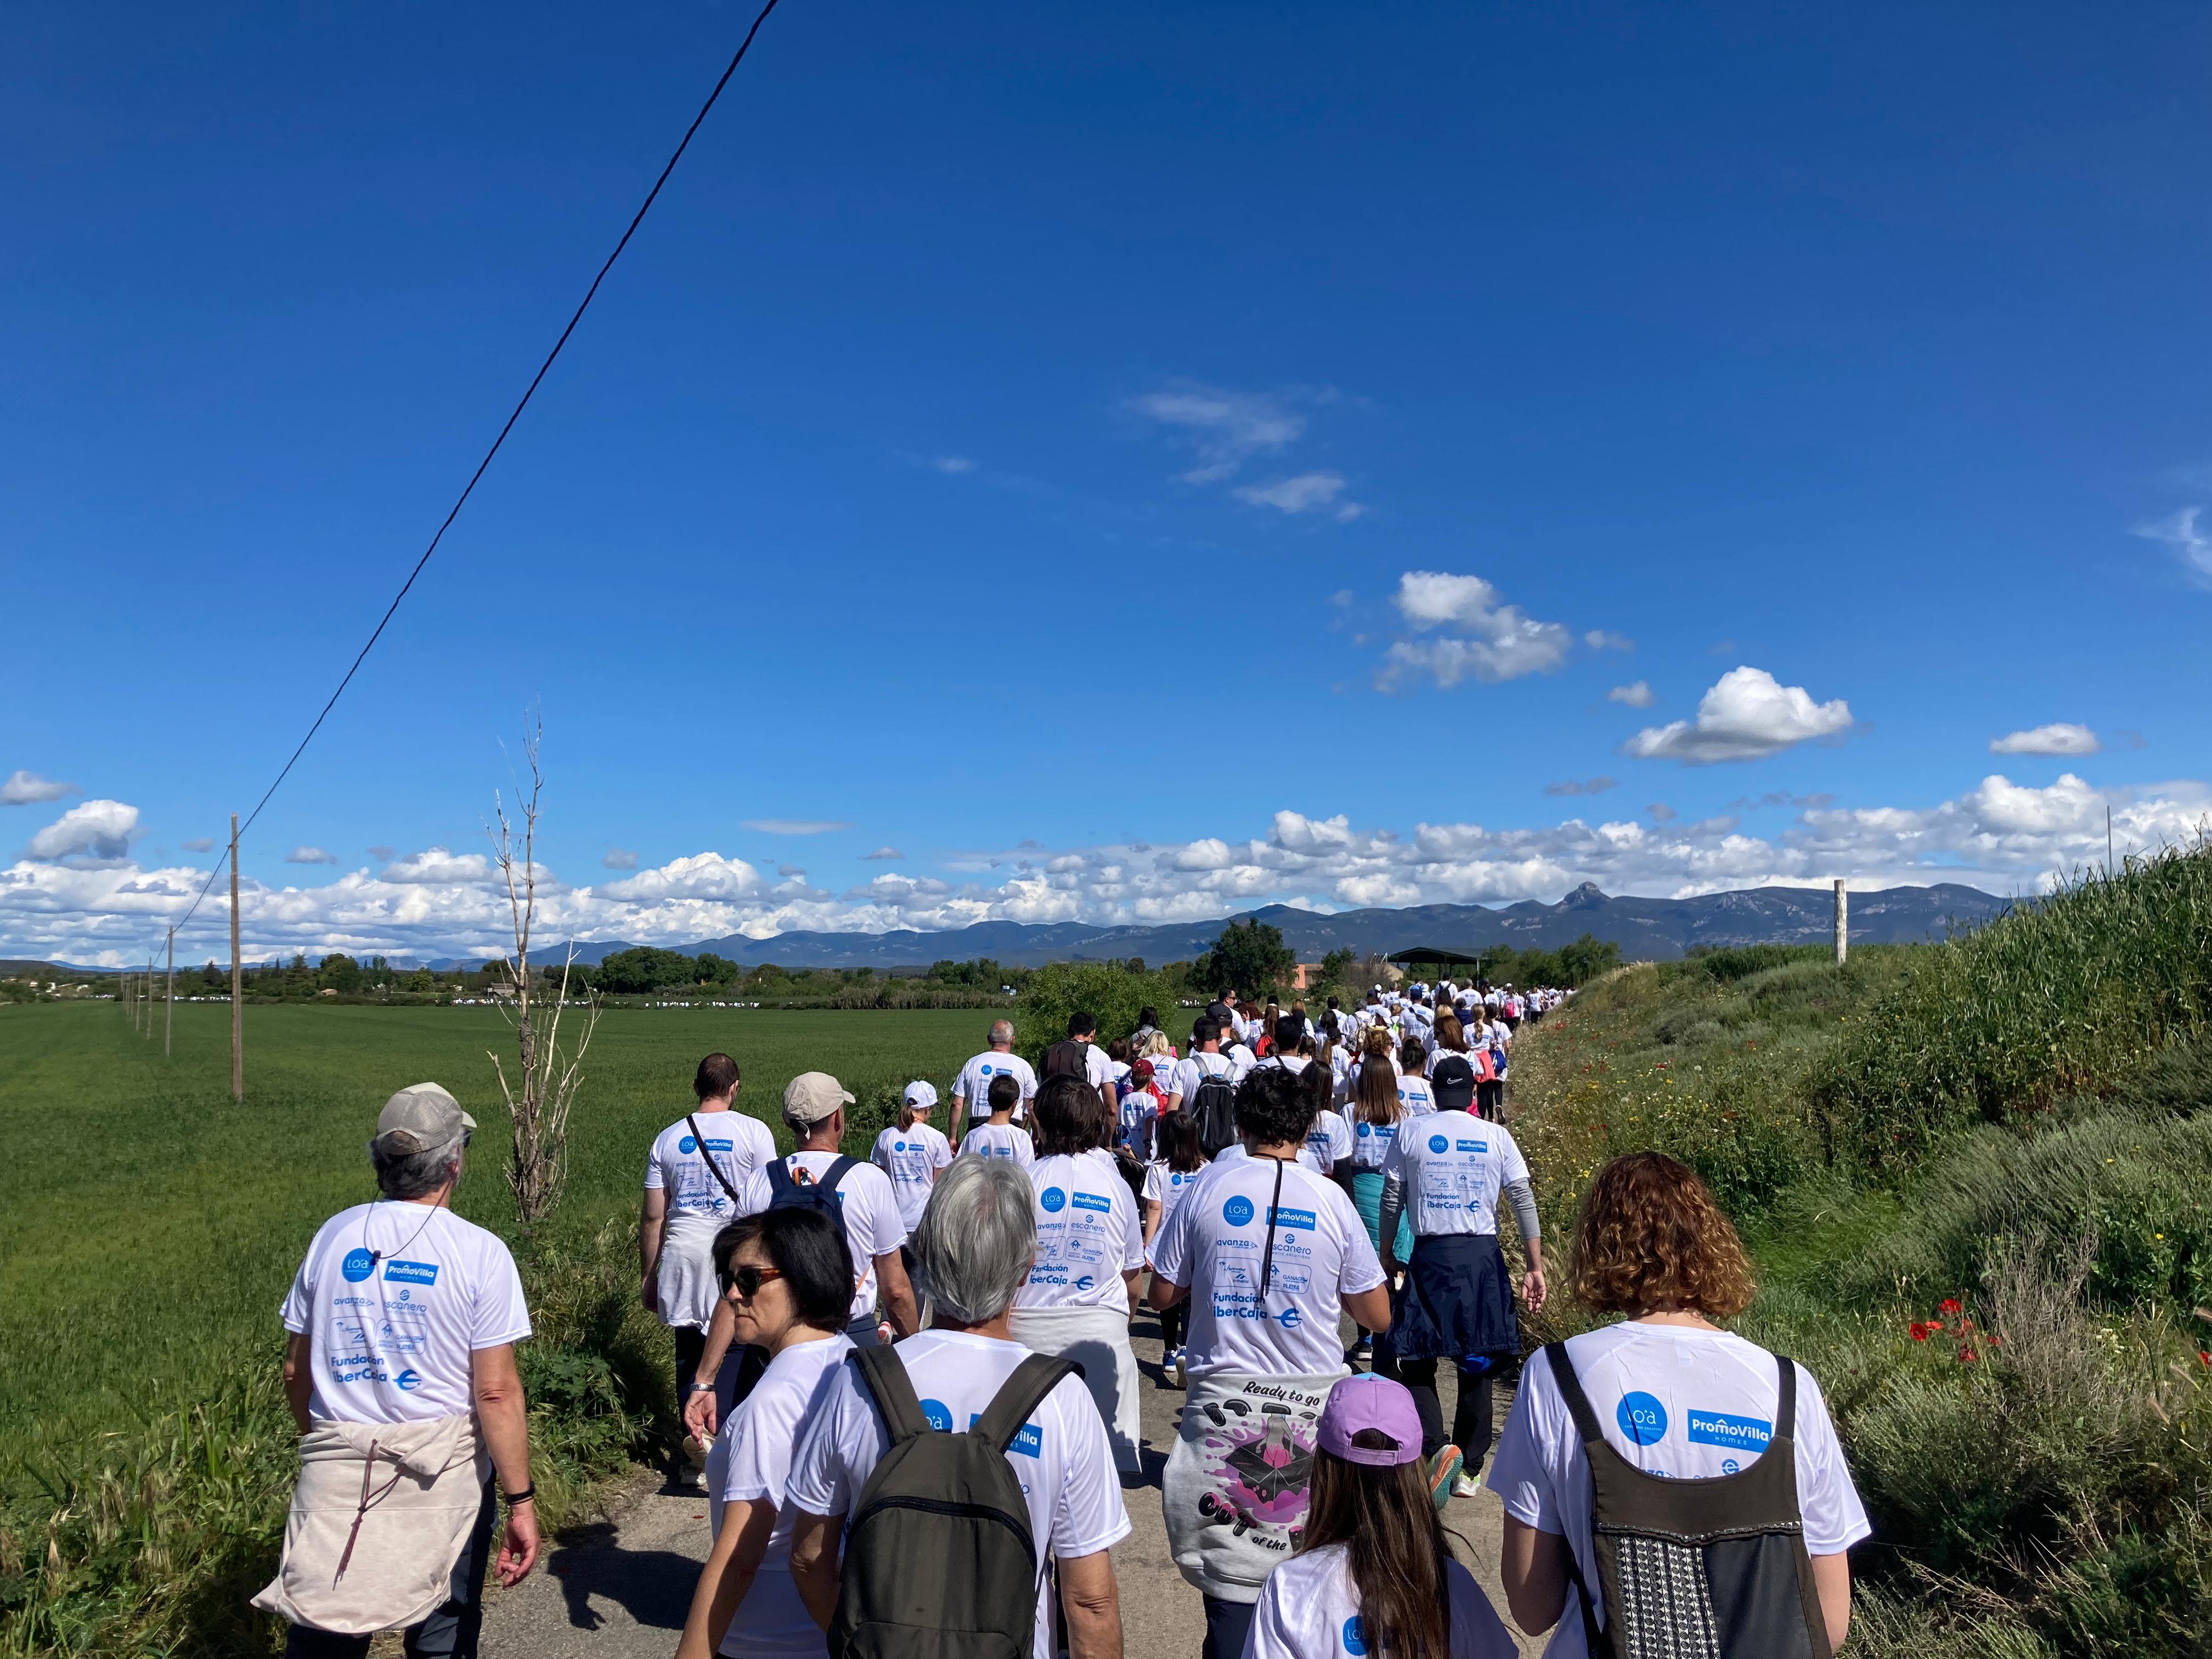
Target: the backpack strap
(713, 1168)
(1571, 1390)
(1019, 1396)
(892, 1389)
(836, 1172)
(1785, 1408)
(778, 1171)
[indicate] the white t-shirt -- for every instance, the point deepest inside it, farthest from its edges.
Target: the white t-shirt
(1089, 1234)
(1000, 1140)
(1330, 1140)
(1165, 1187)
(1453, 1164)
(974, 1083)
(1139, 1115)
(1682, 1402)
(911, 1157)
(1191, 1068)
(393, 1298)
(1309, 1608)
(740, 1147)
(872, 1224)
(1372, 1142)
(1415, 1095)
(752, 1461)
(1215, 1243)
(1237, 1148)
(1242, 1060)
(1099, 1067)
(1063, 1457)
(1292, 1063)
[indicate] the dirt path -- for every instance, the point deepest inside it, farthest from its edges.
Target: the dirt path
(619, 1587)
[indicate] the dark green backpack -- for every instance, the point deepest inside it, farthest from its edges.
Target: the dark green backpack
(939, 1559)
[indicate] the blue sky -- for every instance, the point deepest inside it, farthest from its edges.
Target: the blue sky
(1074, 449)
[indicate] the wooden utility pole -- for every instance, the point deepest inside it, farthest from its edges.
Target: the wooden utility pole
(169, 1012)
(1843, 922)
(237, 980)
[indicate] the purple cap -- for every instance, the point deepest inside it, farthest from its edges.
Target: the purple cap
(1363, 1401)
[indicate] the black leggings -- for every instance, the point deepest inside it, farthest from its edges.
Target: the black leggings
(1489, 1096)
(1174, 1323)
(1472, 1427)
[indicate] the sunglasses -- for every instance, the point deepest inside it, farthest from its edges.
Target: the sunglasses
(747, 1280)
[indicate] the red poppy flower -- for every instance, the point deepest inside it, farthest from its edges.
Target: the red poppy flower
(1992, 1339)
(1934, 1324)
(1920, 1334)
(2206, 1358)
(1968, 1354)
(1948, 1305)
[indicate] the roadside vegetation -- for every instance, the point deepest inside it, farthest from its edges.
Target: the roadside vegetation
(1977, 1179)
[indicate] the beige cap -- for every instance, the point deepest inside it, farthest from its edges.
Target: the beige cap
(419, 1119)
(812, 1097)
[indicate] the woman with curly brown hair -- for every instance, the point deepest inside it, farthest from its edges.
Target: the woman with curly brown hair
(1667, 1392)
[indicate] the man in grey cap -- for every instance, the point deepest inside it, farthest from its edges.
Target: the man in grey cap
(400, 1373)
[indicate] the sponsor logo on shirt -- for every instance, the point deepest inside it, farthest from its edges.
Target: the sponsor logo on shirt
(1474, 1146)
(1289, 1319)
(410, 1272)
(1365, 1130)
(1030, 1442)
(1238, 1210)
(687, 1145)
(1054, 1200)
(1707, 1428)
(720, 1146)
(1093, 1202)
(1303, 1218)
(1438, 1144)
(1355, 1637)
(1642, 1418)
(409, 1380)
(898, 1145)
(358, 1265)
(934, 1413)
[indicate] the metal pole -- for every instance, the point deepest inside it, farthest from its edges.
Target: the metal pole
(169, 1012)
(237, 980)
(1843, 922)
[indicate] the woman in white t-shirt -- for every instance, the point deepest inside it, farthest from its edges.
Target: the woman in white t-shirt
(1672, 1394)
(1090, 1242)
(1377, 1110)
(911, 1153)
(788, 1277)
(1372, 1575)
(1166, 1177)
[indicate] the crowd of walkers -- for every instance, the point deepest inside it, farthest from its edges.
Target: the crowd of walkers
(910, 1394)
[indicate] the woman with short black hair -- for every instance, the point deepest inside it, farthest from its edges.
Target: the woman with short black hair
(788, 1278)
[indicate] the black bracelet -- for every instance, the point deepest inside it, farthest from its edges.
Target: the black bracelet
(522, 1496)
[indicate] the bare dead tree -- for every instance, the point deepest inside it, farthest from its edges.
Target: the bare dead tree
(539, 1100)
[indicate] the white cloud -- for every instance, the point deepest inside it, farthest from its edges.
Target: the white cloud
(704, 876)
(381, 854)
(1308, 492)
(882, 854)
(1226, 428)
(618, 858)
(434, 866)
(310, 855)
(2062, 738)
(93, 832)
(197, 844)
(1487, 641)
(2178, 531)
(1636, 695)
(794, 826)
(952, 466)
(1747, 715)
(1598, 640)
(1571, 786)
(30, 789)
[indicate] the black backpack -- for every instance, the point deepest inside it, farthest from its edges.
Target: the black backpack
(1213, 1104)
(939, 1557)
(804, 1192)
(1452, 1083)
(1066, 1058)
(1715, 1568)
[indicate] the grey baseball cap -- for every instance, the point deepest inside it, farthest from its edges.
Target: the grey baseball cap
(813, 1097)
(420, 1119)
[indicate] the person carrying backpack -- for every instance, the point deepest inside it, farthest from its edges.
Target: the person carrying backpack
(942, 1484)
(1206, 1089)
(1655, 1436)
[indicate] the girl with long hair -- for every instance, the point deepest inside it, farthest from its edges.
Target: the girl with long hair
(1372, 1574)
(1166, 1177)
(1376, 1112)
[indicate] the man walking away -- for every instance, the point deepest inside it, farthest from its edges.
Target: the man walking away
(400, 1373)
(971, 1091)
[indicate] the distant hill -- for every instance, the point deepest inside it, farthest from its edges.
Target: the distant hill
(1646, 929)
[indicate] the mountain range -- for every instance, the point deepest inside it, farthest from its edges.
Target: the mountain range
(1646, 929)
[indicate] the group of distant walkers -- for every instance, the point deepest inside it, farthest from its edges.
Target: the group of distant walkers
(910, 1394)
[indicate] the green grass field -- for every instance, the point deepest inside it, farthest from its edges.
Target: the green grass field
(149, 1226)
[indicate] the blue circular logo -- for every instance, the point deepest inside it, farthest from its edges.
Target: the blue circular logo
(1174, 1181)
(1642, 1418)
(358, 1265)
(1355, 1636)
(409, 1380)
(687, 1144)
(1365, 1130)
(1729, 1466)
(938, 1416)
(1237, 1210)
(1438, 1144)
(1054, 1200)
(898, 1145)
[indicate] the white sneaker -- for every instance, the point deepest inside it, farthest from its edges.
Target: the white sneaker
(1181, 1379)
(1467, 1485)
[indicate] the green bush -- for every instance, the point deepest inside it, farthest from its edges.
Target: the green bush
(2067, 998)
(1107, 991)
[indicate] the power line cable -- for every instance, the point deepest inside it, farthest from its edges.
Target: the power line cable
(636, 220)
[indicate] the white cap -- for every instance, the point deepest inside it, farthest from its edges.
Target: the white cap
(920, 1096)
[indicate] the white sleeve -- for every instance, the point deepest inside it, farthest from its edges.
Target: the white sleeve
(1089, 1516)
(501, 1315)
(1517, 1166)
(1171, 1244)
(1834, 1518)
(1155, 1188)
(1394, 1160)
(758, 1463)
(1132, 1237)
(941, 1153)
(1340, 1137)
(880, 1153)
(1521, 1473)
(298, 1309)
(1029, 1078)
(884, 1228)
(1270, 1635)
(654, 1177)
(821, 1482)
